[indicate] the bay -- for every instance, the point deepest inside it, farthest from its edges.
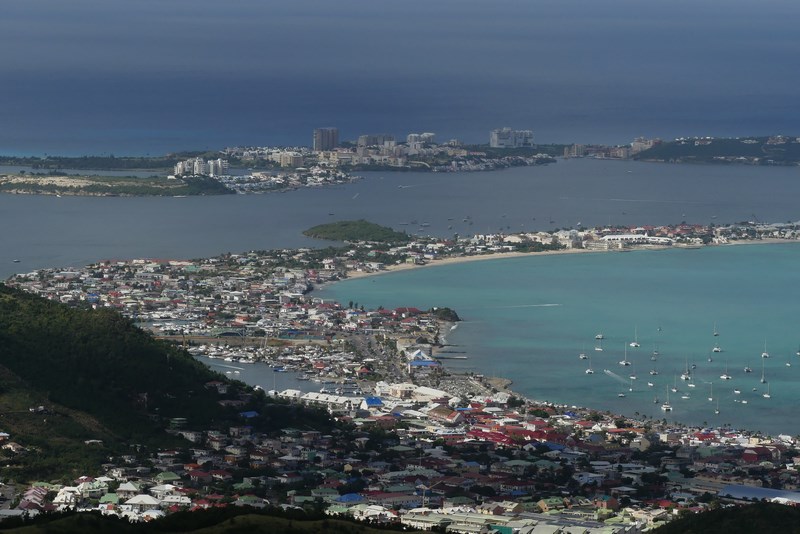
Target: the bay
(529, 318)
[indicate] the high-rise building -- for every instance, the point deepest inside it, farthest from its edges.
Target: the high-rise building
(508, 138)
(326, 139)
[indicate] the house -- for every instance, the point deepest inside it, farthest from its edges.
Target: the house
(141, 503)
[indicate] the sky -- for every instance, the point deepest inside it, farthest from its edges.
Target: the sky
(135, 77)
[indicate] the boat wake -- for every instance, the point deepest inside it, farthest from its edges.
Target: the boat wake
(549, 305)
(615, 376)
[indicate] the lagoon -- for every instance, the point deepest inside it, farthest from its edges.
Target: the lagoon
(46, 231)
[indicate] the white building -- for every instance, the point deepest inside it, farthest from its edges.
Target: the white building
(508, 138)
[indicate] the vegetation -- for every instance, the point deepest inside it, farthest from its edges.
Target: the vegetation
(102, 163)
(525, 152)
(68, 376)
(758, 517)
(755, 150)
(360, 230)
(56, 183)
(446, 314)
(212, 521)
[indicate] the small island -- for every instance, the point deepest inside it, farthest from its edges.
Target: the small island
(360, 230)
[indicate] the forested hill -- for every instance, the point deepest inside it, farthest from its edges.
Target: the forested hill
(100, 377)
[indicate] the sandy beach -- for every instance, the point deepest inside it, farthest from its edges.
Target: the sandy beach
(451, 260)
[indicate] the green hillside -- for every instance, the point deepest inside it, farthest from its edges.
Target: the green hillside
(214, 521)
(98, 377)
(758, 517)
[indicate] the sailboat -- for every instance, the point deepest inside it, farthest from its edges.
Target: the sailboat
(765, 354)
(686, 375)
(716, 334)
(625, 361)
(716, 348)
(599, 336)
(763, 378)
(716, 410)
(767, 395)
(599, 346)
(711, 393)
(725, 375)
(675, 386)
(589, 370)
(635, 342)
(582, 355)
(666, 406)
(748, 369)
(798, 351)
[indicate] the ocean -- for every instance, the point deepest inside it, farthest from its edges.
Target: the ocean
(97, 77)
(529, 318)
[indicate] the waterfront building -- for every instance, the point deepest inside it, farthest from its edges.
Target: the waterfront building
(200, 167)
(374, 140)
(325, 139)
(508, 138)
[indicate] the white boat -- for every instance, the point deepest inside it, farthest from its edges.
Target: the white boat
(589, 370)
(737, 391)
(674, 388)
(599, 336)
(716, 410)
(763, 378)
(666, 406)
(711, 393)
(716, 348)
(686, 374)
(716, 334)
(725, 375)
(635, 342)
(599, 346)
(582, 356)
(625, 361)
(650, 384)
(765, 354)
(767, 395)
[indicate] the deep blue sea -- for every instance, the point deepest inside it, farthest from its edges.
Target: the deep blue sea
(529, 318)
(98, 77)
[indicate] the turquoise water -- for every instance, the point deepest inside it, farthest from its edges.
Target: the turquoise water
(529, 318)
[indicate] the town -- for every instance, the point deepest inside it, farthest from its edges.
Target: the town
(415, 444)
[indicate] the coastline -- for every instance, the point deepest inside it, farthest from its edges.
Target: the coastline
(507, 385)
(453, 260)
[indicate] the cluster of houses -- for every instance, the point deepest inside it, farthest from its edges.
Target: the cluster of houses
(419, 457)
(263, 181)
